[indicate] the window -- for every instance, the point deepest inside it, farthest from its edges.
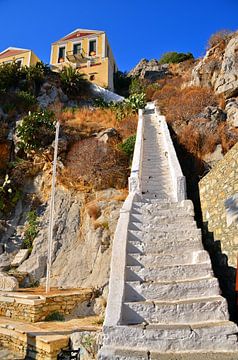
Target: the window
(61, 57)
(19, 62)
(77, 48)
(92, 47)
(108, 51)
(92, 77)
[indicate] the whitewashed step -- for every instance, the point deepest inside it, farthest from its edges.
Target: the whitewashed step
(180, 258)
(152, 226)
(164, 235)
(137, 291)
(179, 312)
(168, 273)
(183, 337)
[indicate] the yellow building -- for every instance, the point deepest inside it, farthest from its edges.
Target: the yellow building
(89, 52)
(21, 56)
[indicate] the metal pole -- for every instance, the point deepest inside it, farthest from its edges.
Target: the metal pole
(51, 215)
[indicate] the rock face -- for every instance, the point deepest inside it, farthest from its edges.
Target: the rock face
(232, 112)
(50, 94)
(218, 69)
(150, 70)
(8, 283)
(81, 245)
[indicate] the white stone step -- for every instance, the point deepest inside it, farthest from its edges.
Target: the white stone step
(162, 235)
(179, 311)
(160, 218)
(163, 226)
(179, 258)
(168, 273)
(137, 291)
(162, 242)
(173, 337)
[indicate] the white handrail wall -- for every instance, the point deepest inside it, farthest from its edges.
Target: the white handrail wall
(135, 177)
(115, 300)
(178, 179)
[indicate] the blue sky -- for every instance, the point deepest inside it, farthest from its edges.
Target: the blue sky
(136, 29)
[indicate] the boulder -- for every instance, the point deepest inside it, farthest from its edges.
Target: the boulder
(106, 135)
(8, 283)
(21, 256)
(232, 112)
(227, 81)
(218, 69)
(150, 70)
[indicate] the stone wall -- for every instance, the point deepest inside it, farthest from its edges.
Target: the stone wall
(219, 207)
(34, 309)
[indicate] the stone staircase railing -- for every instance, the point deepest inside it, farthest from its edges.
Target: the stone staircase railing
(135, 177)
(178, 180)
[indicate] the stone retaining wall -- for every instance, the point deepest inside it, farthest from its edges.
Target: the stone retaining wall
(37, 308)
(218, 188)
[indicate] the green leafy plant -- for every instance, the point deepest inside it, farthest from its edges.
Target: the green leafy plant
(55, 316)
(31, 230)
(10, 75)
(137, 86)
(90, 344)
(73, 83)
(36, 130)
(174, 57)
(128, 146)
(136, 101)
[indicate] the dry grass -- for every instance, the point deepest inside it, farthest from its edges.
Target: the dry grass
(89, 121)
(93, 210)
(180, 105)
(96, 165)
(197, 142)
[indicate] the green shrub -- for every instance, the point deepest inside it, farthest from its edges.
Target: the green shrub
(26, 100)
(73, 83)
(31, 230)
(136, 101)
(25, 78)
(137, 86)
(128, 146)
(101, 103)
(55, 316)
(36, 130)
(9, 195)
(34, 76)
(174, 57)
(10, 76)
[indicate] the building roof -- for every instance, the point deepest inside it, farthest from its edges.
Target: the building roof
(78, 33)
(12, 51)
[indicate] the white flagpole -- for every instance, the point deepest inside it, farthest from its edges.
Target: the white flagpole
(51, 215)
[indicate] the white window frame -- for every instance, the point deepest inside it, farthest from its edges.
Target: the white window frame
(76, 43)
(93, 39)
(59, 47)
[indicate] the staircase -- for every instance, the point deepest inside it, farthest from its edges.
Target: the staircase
(171, 306)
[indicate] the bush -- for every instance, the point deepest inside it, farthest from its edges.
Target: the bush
(10, 76)
(9, 194)
(97, 165)
(31, 230)
(55, 316)
(220, 37)
(136, 102)
(25, 78)
(73, 83)
(174, 57)
(137, 86)
(128, 146)
(36, 130)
